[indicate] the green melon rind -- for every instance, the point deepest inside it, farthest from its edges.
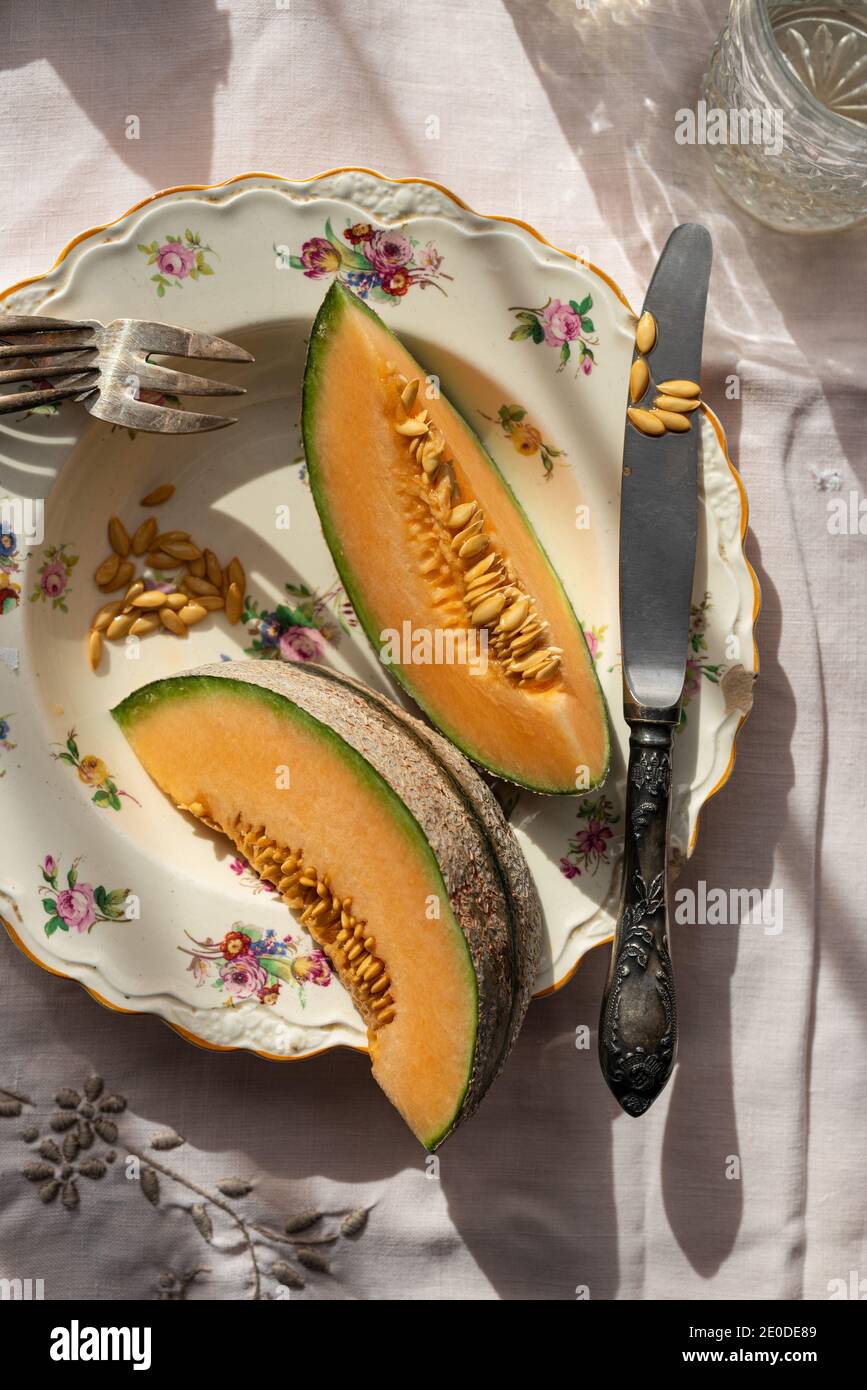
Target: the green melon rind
(468, 866)
(335, 303)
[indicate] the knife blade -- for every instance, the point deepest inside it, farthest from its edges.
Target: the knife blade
(658, 526)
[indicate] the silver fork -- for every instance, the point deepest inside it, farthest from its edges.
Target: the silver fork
(105, 367)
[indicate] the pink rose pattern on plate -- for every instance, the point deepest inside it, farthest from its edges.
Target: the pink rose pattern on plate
(251, 965)
(379, 263)
(77, 907)
(298, 629)
(562, 324)
(177, 258)
(53, 576)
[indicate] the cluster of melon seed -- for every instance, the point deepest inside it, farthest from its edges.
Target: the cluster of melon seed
(204, 587)
(491, 595)
(326, 916)
(676, 400)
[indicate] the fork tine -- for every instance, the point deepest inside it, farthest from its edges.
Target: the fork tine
(29, 400)
(45, 372)
(169, 341)
(46, 344)
(156, 419)
(23, 323)
(156, 378)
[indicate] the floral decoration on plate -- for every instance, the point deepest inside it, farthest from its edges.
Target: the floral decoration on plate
(525, 438)
(563, 325)
(93, 772)
(589, 846)
(53, 576)
(177, 258)
(78, 906)
(697, 664)
(252, 964)
(298, 631)
(10, 565)
(381, 263)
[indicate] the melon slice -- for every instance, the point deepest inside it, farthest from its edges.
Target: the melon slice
(386, 843)
(441, 564)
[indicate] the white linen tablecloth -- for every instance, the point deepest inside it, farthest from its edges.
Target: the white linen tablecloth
(561, 114)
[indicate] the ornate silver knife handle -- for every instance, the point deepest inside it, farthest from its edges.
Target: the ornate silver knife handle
(638, 1023)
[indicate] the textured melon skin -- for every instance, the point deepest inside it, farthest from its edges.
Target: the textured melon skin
(488, 885)
(525, 909)
(335, 303)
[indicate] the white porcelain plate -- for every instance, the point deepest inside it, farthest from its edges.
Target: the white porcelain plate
(103, 880)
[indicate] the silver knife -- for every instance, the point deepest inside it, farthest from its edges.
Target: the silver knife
(658, 522)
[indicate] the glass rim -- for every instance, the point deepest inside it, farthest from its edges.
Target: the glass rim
(842, 126)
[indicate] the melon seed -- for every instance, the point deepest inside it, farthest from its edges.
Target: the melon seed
(151, 598)
(482, 589)
(526, 664)
(473, 529)
(645, 421)
(158, 496)
(412, 427)
(639, 379)
(489, 609)
(177, 600)
(672, 421)
(526, 638)
(159, 560)
(474, 546)
(645, 332)
(544, 673)
(212, 569)
(192, 613)
(118, 538)
(677, 403)
(408, 395)
(234, 603)
(143, 536)
(174, 535)
(480, 568)
(119, 626)
(94, 649)
(104, 615)
(235, 571)
(200, 587)
(680, 388)
(170, 620)
(182, 550)
(514, 616)
(122, 577)
(460, 515)
(107, 571)
(144, 624)
(197, 567)
(136, 588)
(210, 602)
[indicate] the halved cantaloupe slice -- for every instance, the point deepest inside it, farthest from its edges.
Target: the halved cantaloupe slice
(441, 564)
(386, 842)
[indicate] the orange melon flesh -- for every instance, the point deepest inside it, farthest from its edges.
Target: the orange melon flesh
(220, 744)
(362, 476)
